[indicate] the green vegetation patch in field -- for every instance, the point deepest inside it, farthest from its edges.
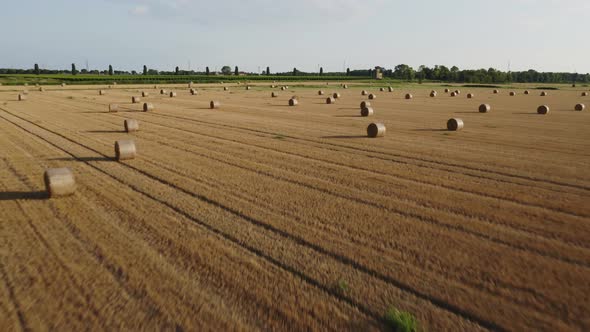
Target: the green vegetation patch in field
(401, 321)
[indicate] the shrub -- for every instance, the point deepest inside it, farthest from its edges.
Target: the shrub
(401, 321)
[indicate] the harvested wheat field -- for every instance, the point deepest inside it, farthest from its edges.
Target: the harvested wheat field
(261, 216)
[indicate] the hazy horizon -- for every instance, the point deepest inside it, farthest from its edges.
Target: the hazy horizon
(524, 34)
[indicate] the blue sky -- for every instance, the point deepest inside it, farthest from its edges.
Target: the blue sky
(546, 35)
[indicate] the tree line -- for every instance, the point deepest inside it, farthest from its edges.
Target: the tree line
(402, 72)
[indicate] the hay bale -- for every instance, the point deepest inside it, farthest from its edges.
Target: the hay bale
(376, 130)
(156, 87)
(59, 182)
(580, 107)
(214, 104)
(543, 109)
(41, 89)
(21, 97)
(113, 107)
(470, 95)
(409, 96)
(145, 94)
(293, 102)
(190, 85)
(131, 125)
(336, 95)
(372, 96)
(286, 87)
(367, 111)
(390, 89)
(148, 107)
(295, 97)
(382, 89)
(172, 94)
(496, 92)
(484, 108)
(163, 92)
(454, 124)
(345, 86)
(526, 92)
(544, 94)
(135, 100)
(101, 92)
(320, 93)
(225, 88)
(283, 88)
(584, 94)
(364, 93)
(63, 84)
(453, 94)
(365, 104)
(248, 87)
(457, 92)
(125, 150)
(330, 100)
(446, 90)
(274, 95)
(433, 94)
(25, 92)
(512, 93)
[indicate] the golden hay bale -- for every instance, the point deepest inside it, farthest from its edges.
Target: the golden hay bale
(190, 85)
(135, 100)
(584, 94)
(25, 92)
(365, 104)
(336, 95)
(63, 84)
(114, 83)
(526, 92)
(163, 92)
(320, 93)
(131, 125)
(433, 94)
(225, 88)
(41, 89)
(367, 111)
(580, 107)
(470, 95)
(376, 130)
(145, 94)
(274, 95)
(453, 94)
(148, 107)
(330, 100)
(155, 87)
(21, 97)
(512, 93)
(125, 150)
(544, 94)
(409, 96)
(446, 90)
(364, 93)
(372, 96)
(286, 87)
(457, 92)
(390, 89)
(113, 107)
(59, 182)
(214, 104)
(454, 124)
(172, 94)
(101, 92)
(283, 88)
(344, 86)
(382, 89)
(293, 102)
(484, 108)
(496, 92)
(248, 87)
(543, 109)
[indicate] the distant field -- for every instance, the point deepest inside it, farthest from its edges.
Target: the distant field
(259, 215)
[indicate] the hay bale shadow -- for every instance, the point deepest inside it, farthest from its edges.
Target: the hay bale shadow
(23, 195)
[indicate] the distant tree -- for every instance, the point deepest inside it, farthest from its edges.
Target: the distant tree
(110, 70)
(294, 71)
(74, 72)
(267, 70)
(176, 70)
(236, 71)
(321, 71)
(37, 71)
(207, 71)
(145, 70)
(347, 71)
(226, 70)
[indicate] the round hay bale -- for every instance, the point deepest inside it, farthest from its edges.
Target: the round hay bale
(248, 87)
(135, 100)
(336, 95)
(21, 97)
(293, 102)
(454, 124)
(225, 88)
(286, 87)
(584, 94)
(543, 94)
(543, 109)
(446, 90)
(364, 93)
(320, 93)
(113, 107)
(376, 130)
(496, 92)
(125, 150)
(372, 96)
(101, 92)
(25, 92)
(190, 85)
(470, 95)
(214, 104)
(63, 84)
(148, 107)
(155, 87)
(131, 125)
(330, 100)
(409, 96)
(382, 89)
(163, 92)
(172, 94)
(365, 104)
(114, 83)
(457, 92)
(484, 108)
(367, 111)
(580, 107)
(59, 182)
(145, 94)
(283, 88)
(273, 95)
(41, 89)
(512, 93)
(345, 86)
(453, 94)
(390, 89)
(433, 94)
(295, 97)
(526, 92)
